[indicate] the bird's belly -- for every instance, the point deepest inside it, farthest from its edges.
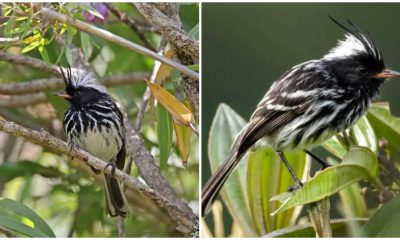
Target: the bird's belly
(102, 144)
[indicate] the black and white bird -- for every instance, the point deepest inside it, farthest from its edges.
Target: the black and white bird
(310, 103)
(94, 123)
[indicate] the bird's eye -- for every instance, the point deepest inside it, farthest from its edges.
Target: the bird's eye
(362, 71)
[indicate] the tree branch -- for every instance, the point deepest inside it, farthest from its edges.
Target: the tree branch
(19, 101)
(131, 23)
(57, 83)
(185, 223)
(165, 17)
(29, 61)
(82, 26)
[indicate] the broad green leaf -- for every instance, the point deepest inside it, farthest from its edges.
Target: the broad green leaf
(30, 47)
(39, 228)
(164, 133)
(225, 127)
(194, 67)
(334, 146)
(267, 177)
(68, 55)
(23, 168)
(359, 163)
(306, 230)
(43, 52)
(385, 221)
(363, 135)
(85, 43)
(353, 205)
(384, 123)
(195, 31)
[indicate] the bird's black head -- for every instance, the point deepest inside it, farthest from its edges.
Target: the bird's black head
(356, 61)
(81, 88)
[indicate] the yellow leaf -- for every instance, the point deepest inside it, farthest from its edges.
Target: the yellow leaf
(180, 113)
(164, 70)
(183, 139)
(183, 134)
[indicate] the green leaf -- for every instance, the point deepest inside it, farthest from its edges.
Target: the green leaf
(307, 231)
(359, 163)
(86, 47)
(17, 222)
(44, 54)
(194, 67)
(384, 123)
(164, 133)
(224, 129)
(363, 135)
(267, 177)
(195, 31)
(68, 55)
(385, 221)
(30, 47)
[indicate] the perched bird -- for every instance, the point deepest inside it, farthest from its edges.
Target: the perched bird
(94, 123)
(309, 104)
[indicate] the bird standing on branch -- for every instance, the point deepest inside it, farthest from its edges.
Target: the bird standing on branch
(310, 103)
(94, 123)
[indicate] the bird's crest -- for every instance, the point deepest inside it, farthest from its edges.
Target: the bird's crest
(356, 42)
(75, 78)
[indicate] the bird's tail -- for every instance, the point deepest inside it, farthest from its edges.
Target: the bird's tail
(116, 204)
(217, 180)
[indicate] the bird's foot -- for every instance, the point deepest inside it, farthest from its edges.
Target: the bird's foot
(112, 165)
(296, 187)
(72, 146)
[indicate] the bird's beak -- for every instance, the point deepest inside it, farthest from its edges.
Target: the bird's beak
(62, 94)
(387, 74)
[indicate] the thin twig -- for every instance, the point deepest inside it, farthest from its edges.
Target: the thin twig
(186, 224)
(19, 101)
(29, 61)
(131, 23)
(82, 26)
(38, 85)
(146, 96)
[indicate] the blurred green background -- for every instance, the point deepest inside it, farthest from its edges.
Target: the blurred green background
(247, 46)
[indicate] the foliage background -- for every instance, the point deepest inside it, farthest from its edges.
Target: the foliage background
(68, 199)
(247, 46)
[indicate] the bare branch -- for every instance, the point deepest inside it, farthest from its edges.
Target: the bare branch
(165, 17)
(186, 224)
(131, 23)
(57, 83)
(82, 26)
(19, 101)
(29, 61)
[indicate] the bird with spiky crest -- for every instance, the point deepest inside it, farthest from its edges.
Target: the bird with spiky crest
(309, 104)
(94, 123)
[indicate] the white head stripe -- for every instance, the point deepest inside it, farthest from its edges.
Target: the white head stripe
(348, 47)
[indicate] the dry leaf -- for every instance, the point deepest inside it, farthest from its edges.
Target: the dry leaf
(180, 113)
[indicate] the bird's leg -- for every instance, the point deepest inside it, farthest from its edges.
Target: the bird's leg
(112, 165)
(299, 184)
(321, 161)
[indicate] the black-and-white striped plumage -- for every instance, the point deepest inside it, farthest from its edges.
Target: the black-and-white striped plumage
(94, 123)
(310, 103)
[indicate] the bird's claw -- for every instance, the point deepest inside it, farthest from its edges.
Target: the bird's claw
(72, 146)
(296, 187)
(112, 165)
